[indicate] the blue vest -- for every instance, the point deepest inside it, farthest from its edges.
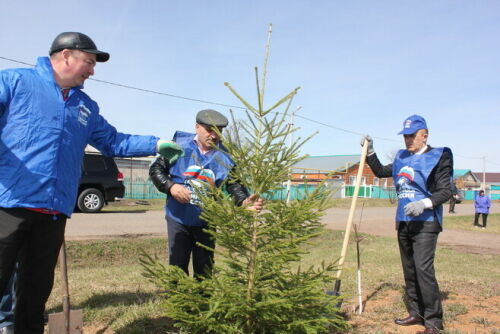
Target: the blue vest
(410, 173)
(191, 169)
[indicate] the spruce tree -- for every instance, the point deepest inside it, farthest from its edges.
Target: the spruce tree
(257, 285)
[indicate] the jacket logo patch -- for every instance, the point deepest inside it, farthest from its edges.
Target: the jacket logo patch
(405, 178)
(197, 181)
(83, 115)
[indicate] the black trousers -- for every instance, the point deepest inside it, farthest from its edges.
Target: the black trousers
(182, 243)
(476, 219)
(452, 204)
(34, 240)
(417, 251)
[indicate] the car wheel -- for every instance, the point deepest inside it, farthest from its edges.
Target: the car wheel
(90, 200)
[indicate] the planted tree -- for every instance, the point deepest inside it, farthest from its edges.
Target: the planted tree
(258, 284)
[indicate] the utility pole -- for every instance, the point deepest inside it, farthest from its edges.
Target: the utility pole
(289, 183)
(484, 173)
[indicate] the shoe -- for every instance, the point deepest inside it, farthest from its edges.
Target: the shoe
(7, 329)
(429, 331)
(483, 227)
(408, 321)
(476, 226)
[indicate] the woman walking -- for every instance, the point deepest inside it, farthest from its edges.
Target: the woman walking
(482, 205)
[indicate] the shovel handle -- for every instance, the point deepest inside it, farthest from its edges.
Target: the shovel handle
(353, 207)
(65, 288)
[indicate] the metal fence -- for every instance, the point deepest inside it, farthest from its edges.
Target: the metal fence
(138, 188)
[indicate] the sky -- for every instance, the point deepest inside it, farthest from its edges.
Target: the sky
(363, 66)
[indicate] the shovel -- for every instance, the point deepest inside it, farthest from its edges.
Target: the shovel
(336, 289)
(68, 321)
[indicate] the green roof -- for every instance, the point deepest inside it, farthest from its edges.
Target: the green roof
(460, 172)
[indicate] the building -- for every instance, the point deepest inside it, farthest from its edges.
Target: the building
(466, 180)
(491, 179)
(338, 167)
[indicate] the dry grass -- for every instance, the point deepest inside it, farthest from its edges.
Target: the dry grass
(106, 281)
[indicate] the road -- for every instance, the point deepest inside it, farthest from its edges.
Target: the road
(375, 221)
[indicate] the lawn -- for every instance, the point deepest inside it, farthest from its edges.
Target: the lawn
(106, 281)
(466, 223)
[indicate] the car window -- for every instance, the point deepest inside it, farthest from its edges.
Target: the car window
(94, 163)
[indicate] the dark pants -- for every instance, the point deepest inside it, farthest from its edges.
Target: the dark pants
(476, 219)
(452, 204)
(34, 239)
(182, 241)
(8, 302)
(417, 251)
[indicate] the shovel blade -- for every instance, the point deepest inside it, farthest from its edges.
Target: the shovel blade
(57, 322)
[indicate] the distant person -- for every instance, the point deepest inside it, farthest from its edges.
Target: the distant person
(422, 177)
(482, 205)
(453, 198)
(205, 162)
(46, 121)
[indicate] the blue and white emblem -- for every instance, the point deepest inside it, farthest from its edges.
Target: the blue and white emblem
(83, 114)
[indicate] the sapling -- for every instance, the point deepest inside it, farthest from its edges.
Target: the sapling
(258, 283)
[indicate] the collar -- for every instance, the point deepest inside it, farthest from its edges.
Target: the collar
(422, 150)
(44, 67)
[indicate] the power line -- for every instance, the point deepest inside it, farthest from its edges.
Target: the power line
(230, 106)
(144, 90)
(344, 130)
(203, 101)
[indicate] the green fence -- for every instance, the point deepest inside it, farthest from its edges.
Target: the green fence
(364, 191)
(297, 192)
(141, 189)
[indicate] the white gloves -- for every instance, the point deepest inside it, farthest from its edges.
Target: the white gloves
(415, 209)
(370, 143)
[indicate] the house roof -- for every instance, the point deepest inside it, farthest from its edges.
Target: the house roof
(489, 177)
(327, 163)
(460, 172)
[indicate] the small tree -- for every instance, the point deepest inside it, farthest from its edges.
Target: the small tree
(257, 284)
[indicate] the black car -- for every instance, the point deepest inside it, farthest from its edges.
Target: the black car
(101, 183)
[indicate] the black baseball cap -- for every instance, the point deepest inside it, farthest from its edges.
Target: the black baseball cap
(77, 41)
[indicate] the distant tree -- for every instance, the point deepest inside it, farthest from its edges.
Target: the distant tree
(258, 284)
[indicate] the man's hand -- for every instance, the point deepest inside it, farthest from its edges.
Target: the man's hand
(254, 203)
(370, 143)
(180, 193)
(169, 150)
(414, 209)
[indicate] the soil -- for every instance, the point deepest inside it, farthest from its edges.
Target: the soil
(480, 315)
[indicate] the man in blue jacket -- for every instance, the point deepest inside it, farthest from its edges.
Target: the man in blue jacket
(46, 121)
(204, 162)
(422, 176)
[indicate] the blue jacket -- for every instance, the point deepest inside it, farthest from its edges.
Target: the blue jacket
(195, 167)
(43, 138)
(482, 204)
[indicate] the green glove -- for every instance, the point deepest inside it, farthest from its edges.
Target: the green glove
(169, 150)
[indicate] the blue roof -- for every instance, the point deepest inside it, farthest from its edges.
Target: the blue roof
(460, 172)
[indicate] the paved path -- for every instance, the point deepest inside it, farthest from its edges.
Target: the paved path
(376, 221)
(380, 221)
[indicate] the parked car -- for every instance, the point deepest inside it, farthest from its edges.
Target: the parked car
(101, 183)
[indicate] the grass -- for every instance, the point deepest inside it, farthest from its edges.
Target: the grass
(466, 223)
(106, 279)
